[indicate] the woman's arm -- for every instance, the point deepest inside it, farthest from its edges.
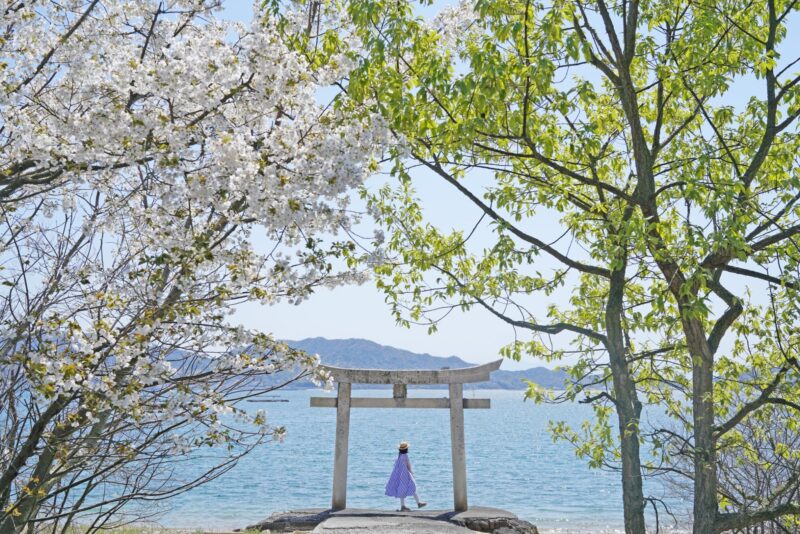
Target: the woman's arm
(408, 464)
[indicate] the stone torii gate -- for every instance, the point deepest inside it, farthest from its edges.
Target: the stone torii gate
(454, 378)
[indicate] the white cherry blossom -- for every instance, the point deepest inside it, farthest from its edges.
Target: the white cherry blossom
(158, 167)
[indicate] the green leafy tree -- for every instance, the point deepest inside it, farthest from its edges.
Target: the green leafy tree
(634, 174)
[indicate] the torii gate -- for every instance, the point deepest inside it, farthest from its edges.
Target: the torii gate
(454, 378)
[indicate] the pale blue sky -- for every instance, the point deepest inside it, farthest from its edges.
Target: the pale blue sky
(360, 311)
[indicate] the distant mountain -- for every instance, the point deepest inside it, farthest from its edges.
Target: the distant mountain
(370, 355)
(362, 353)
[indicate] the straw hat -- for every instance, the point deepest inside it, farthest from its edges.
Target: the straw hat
(403, 446)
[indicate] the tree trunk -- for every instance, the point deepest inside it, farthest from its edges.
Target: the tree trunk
(628, 409)
(705, 465)
(632, 493)
(27, 505)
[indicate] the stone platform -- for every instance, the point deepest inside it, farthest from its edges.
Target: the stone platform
(356, 521)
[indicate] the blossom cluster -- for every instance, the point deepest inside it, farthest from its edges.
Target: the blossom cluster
(453, 23)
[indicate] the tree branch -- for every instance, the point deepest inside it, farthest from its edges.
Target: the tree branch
(761, 276)
(753, 405)
(488, 210)
(554, 328)
(740, 520)
(728, 317)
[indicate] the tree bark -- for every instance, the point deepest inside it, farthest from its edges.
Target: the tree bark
(628, 409)
(705, 466)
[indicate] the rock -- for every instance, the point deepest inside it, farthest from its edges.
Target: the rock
(512, 526)
(505, 523)
(304, 520)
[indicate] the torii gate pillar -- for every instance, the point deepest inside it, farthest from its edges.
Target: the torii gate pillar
(454, 378)
(459, 452)
(339, 500)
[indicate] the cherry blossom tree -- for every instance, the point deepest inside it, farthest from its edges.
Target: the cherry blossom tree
(158, 167)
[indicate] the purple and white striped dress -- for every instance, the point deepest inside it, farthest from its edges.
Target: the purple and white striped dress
(401, 482)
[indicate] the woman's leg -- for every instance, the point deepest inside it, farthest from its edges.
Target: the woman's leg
(402, 502)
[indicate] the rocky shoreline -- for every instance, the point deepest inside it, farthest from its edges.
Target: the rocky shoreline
(321, 521)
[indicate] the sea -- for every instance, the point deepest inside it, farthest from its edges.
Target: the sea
(512, 463)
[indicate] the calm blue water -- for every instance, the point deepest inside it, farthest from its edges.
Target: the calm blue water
(512, 463)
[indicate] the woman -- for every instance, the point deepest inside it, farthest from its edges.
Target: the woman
(401, 483)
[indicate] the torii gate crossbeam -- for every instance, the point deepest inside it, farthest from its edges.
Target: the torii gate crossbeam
(454, 378)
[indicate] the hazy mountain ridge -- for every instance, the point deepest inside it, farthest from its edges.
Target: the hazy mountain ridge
(362, 353)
